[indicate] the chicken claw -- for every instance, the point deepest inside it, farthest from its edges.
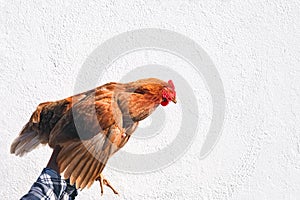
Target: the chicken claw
(104, 181)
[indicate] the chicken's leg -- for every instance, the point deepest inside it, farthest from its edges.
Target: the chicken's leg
(104, 181)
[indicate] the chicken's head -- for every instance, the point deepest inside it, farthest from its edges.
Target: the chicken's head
(168, 94)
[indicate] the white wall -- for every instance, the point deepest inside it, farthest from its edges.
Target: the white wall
(253, 44)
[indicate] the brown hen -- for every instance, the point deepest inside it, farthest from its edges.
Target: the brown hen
(91, 126)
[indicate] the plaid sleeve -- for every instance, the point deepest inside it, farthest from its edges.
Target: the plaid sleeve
(50, 186)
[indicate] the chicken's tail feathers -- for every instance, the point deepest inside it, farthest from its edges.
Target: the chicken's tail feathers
(29, 138)
(25, 142)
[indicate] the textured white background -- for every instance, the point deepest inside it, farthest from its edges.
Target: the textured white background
(254, 45)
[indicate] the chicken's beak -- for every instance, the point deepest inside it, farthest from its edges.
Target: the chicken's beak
(174, 100)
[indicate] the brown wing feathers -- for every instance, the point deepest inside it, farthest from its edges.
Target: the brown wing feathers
(85, 160)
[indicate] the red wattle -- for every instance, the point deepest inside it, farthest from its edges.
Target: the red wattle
(164, 103)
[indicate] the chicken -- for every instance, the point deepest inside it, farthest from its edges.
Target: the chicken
(90, 127)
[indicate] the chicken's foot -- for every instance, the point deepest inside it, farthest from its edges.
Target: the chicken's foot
(104, 181)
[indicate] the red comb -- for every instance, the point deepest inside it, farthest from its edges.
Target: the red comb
(171, 84)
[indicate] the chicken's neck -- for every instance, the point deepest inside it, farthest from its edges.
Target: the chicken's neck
(142, 107)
